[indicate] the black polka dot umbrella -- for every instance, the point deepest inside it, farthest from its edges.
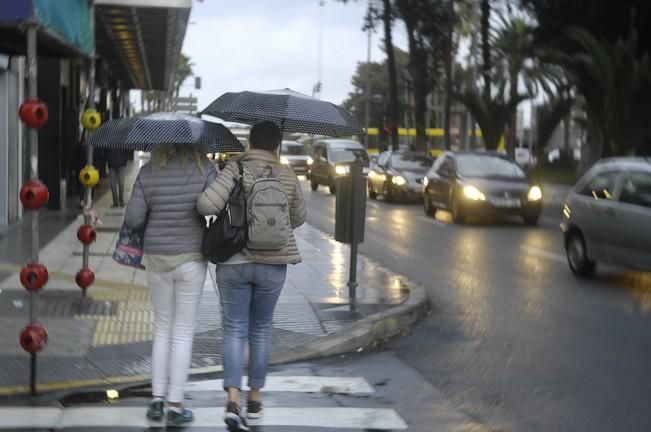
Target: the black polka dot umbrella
(146, 132)
(292, 111)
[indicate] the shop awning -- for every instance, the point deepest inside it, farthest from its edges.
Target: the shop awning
(141, 39)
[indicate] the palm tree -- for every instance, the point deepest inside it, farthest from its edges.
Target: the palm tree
(615, 84)
(514, 51)
(491, 113)
(183, 72)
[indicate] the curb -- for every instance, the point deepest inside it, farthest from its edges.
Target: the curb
(365, 333)
(361, 335)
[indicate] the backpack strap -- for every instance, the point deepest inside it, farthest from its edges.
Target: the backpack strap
(240, 168)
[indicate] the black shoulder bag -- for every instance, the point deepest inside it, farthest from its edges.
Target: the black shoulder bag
(226, 234)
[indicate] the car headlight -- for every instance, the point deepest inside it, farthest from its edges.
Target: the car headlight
(473, 193)
(310, 161)
(425, 181)
(284, 160)
(342, 169)
(535, 194)
(398, 180)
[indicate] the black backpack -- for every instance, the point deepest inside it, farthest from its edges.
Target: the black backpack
(226, 234)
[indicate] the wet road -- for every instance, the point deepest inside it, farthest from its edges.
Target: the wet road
(514, 340)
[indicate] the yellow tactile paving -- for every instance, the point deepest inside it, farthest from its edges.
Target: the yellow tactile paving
(133, 320)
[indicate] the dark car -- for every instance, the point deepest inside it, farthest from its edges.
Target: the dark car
(479, 183)
(332, 159)
(398, 175)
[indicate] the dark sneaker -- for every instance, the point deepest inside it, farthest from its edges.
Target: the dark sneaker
(254, 409)
(234, 421)
(178, 418)
(156, 409)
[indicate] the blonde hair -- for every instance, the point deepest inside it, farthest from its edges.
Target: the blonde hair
(163, 153)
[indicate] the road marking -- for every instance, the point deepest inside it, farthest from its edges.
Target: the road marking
(29, 417)
(432, 221)
(297, 384)
(84, 417)
(540, 253)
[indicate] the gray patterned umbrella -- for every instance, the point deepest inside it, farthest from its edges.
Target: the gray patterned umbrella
(292, 111)
(146, 132)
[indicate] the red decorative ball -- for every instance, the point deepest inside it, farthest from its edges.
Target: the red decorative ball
(34, 276)
(86, 234)
(34, 194)
(85, 278)
(33, 113)
(33, 338)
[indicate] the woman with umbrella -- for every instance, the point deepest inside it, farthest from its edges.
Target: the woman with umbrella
(163, 203)
(251, 281)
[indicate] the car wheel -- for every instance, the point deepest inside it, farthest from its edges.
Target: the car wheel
(388, 193)
(331, 185)
(371, 192)
(458, 213)
(313, 184)
(531, 219)
(577, 255)
(428, 208)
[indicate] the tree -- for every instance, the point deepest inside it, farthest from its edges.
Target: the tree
(387, 19)
(379, 77)
(548, 117)
(485, 46)
(513, 48)
(615, 86)
(427, 24)
(183, 72)
(384, 13)
(606, 20)
(491, 113)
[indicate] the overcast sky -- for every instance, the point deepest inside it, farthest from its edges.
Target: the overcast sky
(265, 45)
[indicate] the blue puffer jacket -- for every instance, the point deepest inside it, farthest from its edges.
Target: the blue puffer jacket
(165, 199)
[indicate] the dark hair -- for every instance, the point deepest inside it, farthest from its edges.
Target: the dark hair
(265, 135)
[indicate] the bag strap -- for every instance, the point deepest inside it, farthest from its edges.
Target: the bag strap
(240, 168)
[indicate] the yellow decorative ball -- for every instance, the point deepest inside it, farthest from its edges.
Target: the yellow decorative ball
(89, 176)
(91, 119)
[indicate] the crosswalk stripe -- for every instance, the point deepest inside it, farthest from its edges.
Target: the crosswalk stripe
(296, 384)
(351, 418)
(29, 417)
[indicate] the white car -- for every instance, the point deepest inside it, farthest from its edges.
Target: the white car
(294, 155)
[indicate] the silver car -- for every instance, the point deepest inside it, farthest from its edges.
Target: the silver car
(607, 216)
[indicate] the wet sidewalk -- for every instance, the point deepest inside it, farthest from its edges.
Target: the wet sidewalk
(107, 336)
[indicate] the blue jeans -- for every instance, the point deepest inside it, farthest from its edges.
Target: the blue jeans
(249, 293)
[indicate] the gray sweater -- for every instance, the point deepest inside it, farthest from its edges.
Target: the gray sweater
(165, 200)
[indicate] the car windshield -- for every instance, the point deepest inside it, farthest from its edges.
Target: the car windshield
(488, 166)
(411, 162)
(345, 155)
(292, 150)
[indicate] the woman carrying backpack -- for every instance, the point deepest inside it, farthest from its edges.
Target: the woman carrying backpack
(251, 281)
(164, 202)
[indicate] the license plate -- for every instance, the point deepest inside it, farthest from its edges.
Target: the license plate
(506, 202)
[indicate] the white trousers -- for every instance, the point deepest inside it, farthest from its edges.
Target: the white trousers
(175, 296)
